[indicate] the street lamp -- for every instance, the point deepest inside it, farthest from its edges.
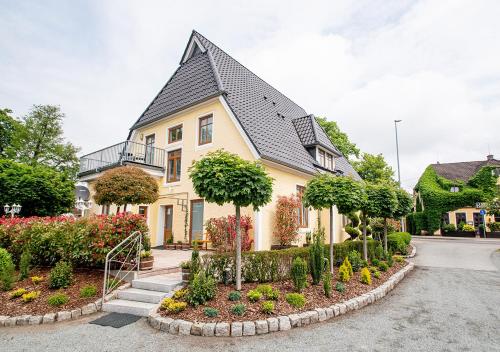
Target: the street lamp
(14, 209)
(83, 205)
(397, 157)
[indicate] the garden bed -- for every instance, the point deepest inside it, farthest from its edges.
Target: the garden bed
(39, 306)
(314, 295)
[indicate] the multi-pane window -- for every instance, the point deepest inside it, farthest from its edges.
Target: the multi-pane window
(461, 217)
(322, 158)
(329, 161)
(205, 130)
(175, 134)
(174, 166)
(143, 210)
(326, 159)
(302, 211)
(455, 189)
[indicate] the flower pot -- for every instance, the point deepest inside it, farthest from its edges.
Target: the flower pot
(169, 246)
(146, 263)
(185, 246)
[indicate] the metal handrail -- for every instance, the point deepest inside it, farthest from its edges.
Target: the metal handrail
(134, 241)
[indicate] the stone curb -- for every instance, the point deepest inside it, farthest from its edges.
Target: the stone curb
(281, 323)
(50, 318)
(413, 252)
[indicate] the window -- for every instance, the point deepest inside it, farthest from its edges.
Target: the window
(175, 134)
(455, 189)
(325, 159)
(497, 217)
(143, 210)
(461, 217)
(445, 219)
(150, 143)
(105, 209)
(205, 130)
(302, 211)
(174, 166)
(321, 158)
(329, 161)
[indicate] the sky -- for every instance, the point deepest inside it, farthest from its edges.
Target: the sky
(435, 65)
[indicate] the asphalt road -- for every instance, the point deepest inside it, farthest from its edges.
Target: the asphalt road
(450, 302)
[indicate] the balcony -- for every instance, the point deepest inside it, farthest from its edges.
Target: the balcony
(123, 153)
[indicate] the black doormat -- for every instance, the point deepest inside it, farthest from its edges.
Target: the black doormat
(116, 320)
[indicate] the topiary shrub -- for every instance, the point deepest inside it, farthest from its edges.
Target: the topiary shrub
(58, 299)
(340, 287)
(299, 274)
(254, 295)
(7, 269)
(211, 312)
(327, 284)
(238, 309)
(267, 307)
(88, 291)
(366, 277)
(296, 300)
(61, 275)
(201, 289)
(354, 258)
(234, 296)
(24, 264)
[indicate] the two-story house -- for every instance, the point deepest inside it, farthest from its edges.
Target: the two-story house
(213, 102)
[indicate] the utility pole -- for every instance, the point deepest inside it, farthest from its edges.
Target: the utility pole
(397, 157)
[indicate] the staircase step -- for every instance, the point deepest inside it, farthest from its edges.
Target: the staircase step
(147, 296)
(162, 283)
(130, 307)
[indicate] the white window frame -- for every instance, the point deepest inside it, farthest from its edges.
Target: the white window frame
(165, 177)
(197, 146)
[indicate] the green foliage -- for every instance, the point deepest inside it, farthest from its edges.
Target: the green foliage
(17, 293)
(273, 295)
(180, 294)
(173, 306)
(327, 284)
(24, 265)
(354, 232)
(437, 198)
(366, 277)
(397, 242)
(267, 307)
(376, 274)
(494, 226)
(30, 296)
(468, 228)
(238, 309)
(268, 292)
(61, 276)
(405, 203)
(201, 289)
(449, 228)
(389, 259)
(375, 262)
(348, 265)
(9, 134)
(317, 256)
(40, 190)
(338, 138)
(343, 274)
(195, 262)
(58, 299)
(299, 274)
(254, 295)
(211, 312)
(234, 296)
(374, 169)
(379, 252)
(88, 291)
(398, 259)
(7, 269)
(383, 266)
(296, 300)
(340, 287)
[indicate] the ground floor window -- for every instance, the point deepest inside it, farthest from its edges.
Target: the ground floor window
(445, 219)
(302, 211)
(461, 217)
(143, 210)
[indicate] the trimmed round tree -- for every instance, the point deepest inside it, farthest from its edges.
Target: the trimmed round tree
(125, 185)
(405, 204)
(222, 177)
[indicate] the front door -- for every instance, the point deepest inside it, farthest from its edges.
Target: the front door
(196, 220)
(478, 220)
(169, 216)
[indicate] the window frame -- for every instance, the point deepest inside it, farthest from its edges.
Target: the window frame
(177, 160)
(170, 129)
(329, 161)
(302, 211)
(322, 157)
(200, 126)
(145, 208)
(457, 214)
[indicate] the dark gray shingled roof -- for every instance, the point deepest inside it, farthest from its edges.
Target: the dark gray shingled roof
(265, 114)
(462, 171)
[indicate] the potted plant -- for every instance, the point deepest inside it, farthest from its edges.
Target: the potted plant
(178, 245)
(147, 261)
(170, 243)
(186, 271)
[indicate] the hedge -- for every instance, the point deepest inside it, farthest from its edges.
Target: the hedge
(84, 242)
(274, 265)
(397, 242)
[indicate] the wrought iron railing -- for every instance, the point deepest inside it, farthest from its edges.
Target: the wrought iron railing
(122, 261)
(117, 154)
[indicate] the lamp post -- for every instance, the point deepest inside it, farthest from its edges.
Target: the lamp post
(14, 209)
(397, 158)
(83, 205)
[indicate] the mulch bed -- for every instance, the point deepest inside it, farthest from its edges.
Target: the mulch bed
(314, 295)
(81, 278)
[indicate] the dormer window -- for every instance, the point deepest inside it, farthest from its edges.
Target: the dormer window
(326, 159)
(455, 189)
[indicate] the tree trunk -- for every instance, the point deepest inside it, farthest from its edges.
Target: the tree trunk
(385, 235)
(238, 249)
(125, 208)
(365, 244)
(331, 239)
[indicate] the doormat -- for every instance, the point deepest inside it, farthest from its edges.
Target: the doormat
(116, 320)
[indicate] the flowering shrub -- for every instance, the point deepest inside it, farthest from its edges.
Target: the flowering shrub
(82, 242)
(287, 222)
(222, 233)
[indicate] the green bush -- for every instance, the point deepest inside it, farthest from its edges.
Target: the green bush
(88, 291)
(234, 296)
(267, 307)
(317, 256)
(201, 289)
(383, 266)
(18, 293)
(58, 299)
(389, 259)
(195, 264)
(379, 252)
(376, 274)
(348, 265)
(254, 295)
(24, 265)
(327, 284)
(180, 294)
(264, 289)
(274, 295)
(238, 309)
(366, 277)
(468, 228)
(299, 274)
(30, 296)
(7, 270)
(449, 228)
(340, 287)
(296, 300)
(494, 226)
(211, 312)
(375, 262)
(398, 259)
(343, 274)
(61, 275)
(355, 259)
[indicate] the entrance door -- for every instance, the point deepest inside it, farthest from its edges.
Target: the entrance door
(167, 229)
(196, 220)
(478, 220)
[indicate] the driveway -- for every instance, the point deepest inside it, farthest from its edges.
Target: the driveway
(450, 302)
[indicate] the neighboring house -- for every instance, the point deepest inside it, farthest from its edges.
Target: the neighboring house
(456, 177)
(213, 102)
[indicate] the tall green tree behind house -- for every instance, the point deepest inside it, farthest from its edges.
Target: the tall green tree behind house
(9, 134)
(374, 169)
(339, 139)
(41, 140)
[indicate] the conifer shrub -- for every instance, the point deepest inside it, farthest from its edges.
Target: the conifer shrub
(354, 257)
(17, 293)
(30, 296)
(366, 277)
(61, 275)
(238, 309)
(343, 274)
(201, 289)
(327, 284)
(340, 287)
(234, 296)
(211, 312)
(36, 279)
(299, 274)
(383, 266)
(348, 265)
(317, 256)
(24, 264)
(7, 269)
(376, 274)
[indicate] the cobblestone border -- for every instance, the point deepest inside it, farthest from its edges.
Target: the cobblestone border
(281, 323)
(50, 318)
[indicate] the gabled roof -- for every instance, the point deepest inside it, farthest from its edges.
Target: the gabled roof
(463, 171)
(265, 114)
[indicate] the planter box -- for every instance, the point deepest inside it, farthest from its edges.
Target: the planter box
(458, 234)
(492, 235)
(146, 263)
(169, 246)
(276, 247)
(184, 246)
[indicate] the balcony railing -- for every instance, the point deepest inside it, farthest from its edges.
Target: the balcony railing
(124, 152)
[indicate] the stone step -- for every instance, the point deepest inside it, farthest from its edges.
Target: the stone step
(147, 296)
(162, 283)
(142, 309)
(159, 271)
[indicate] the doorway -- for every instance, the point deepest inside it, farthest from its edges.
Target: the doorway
(167, 227)
(196, 232)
